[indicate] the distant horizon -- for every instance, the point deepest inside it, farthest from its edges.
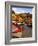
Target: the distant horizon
(22, 10)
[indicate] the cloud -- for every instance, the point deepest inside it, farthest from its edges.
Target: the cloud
(22, 10)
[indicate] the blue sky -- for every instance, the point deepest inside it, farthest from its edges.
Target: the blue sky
(22, 10)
